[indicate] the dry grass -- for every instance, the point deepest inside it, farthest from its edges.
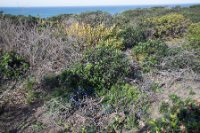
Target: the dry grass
(45, 52)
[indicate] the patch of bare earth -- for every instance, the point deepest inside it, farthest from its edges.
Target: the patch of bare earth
(15, 114)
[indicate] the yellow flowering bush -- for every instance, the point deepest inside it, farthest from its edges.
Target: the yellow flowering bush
(84, 35)
(170, 25)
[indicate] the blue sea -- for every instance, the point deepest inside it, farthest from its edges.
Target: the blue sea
(45, 12)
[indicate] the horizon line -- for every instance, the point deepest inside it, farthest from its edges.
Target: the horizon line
(175, 4)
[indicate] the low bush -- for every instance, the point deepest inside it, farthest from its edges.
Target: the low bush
(150, 53)
(192, 13)
(113, 39)
(99, 69)
(194, 35)
(132, 36)
(183, 116)
(104, 66)
(101, 73)
(31, 94)
(123, 97)
(85, 36)
(13, 66)
(170, 25)
(128, 100)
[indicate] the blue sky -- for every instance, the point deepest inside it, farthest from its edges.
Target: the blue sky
(29, 3)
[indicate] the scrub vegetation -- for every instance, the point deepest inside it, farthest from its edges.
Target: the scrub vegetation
(136, 71)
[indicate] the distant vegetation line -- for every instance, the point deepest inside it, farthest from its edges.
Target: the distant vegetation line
(45, 12)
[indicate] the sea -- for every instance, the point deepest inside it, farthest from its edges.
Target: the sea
(45, 12)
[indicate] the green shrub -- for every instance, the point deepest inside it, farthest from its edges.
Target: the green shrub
(104, 66)
(128, 99)
(183, 116)
(194, 35)
(150, 53)
(170, 25)
(74, 81)
(175, 99)
(113, 39)
(51, 81)
(31, 94)
(123, 96)
(192, 13)
(132, 36)
(164, 107)
(68, 82)
(149, 48)
(13, 66)
(99, 69)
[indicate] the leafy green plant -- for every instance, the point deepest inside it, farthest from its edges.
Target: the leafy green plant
(175, 99)
(193, 35)
(113, 39)
(122, 96)
(51, 81)
(192, 13)
(131, 122)
(13, 66)
(183, 117)
(99, 69)
(104, 66)
(170, 25)
(131, 101)
(31, 94)
(150, 53)
(132, 36)
(164, 107)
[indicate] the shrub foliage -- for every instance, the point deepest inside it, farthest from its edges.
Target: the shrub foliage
(170, 25)
(183, 116)
(99, 69)
(150, 53)
(84, 35)
(12, 65)
(194, 35)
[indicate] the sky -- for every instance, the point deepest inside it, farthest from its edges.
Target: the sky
(36, 3)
